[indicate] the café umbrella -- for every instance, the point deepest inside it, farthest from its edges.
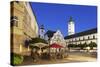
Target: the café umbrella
(39, 45)
(54, 45)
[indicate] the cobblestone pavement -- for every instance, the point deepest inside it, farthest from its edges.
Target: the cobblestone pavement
(73, 57)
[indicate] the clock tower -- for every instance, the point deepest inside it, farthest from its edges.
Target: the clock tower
(71, 26)
(41, 32)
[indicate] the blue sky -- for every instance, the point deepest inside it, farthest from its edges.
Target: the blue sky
(56, 16)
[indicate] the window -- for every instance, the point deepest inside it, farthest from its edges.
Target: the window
(42, 30)
(91, 42)
(93, 37)
(83, 38)
(14, 21)
(75, 39)
(79, 39)
(88, 37)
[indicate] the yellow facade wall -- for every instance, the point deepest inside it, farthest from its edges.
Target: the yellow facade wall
(27, 27)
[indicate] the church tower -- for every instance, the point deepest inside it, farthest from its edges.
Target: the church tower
(41, 32)
(71, 26)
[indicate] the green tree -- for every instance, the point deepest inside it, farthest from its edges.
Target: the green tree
(82, 46)
(92, 44)
(16, 59)
(72, 46)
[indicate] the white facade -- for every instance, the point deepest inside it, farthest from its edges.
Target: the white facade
(71, 27)
(83, 39)
(59, 39)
